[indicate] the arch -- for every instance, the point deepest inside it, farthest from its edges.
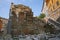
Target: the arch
(13, 13)
(21, 15)
(14, 16)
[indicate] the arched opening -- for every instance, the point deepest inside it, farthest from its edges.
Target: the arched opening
(21, 16)
(13, 13)
(14, 17)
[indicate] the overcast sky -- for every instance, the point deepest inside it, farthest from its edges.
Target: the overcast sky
(35, 5)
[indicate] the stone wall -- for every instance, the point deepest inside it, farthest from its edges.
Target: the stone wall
(21, 21)
(39, 24)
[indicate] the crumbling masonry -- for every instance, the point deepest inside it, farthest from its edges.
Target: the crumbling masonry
(21, 21)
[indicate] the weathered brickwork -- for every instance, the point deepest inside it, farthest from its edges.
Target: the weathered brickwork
(21, 21)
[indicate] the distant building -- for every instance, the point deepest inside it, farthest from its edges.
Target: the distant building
(3, 25)
(0, 24)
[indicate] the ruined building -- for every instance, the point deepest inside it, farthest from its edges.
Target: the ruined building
(21, 21)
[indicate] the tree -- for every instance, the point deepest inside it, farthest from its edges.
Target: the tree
(41, 16)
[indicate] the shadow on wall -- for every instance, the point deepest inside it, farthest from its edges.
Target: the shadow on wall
(58, 20)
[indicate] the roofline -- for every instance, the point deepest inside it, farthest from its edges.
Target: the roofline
(3, 18)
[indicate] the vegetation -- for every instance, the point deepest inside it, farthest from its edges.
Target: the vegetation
(41, 16)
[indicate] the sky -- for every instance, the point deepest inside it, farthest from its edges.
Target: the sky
(35, 5)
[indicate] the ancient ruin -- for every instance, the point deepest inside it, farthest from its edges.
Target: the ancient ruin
(21, 21)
